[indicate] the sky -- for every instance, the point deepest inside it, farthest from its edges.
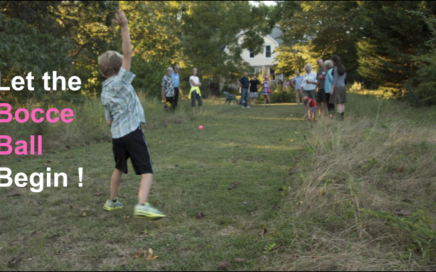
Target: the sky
(269, 3)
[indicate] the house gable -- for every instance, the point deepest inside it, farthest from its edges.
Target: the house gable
(261, 59)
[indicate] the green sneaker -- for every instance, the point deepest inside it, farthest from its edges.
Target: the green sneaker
(146, 211)
(111, 206)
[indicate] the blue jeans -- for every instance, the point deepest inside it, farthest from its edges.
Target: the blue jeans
(244, 97)
(194, 96)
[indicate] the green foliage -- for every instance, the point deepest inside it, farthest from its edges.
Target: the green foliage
(148, 76)
(387, 45)
(210, 34)
(283, 96)
(318, 29)
(200, 34)
(419, 228)
(422, 86)
(25, 50)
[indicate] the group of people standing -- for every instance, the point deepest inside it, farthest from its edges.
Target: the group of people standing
(324, 90)
(327, 86)
(170, 89)
(254, 85)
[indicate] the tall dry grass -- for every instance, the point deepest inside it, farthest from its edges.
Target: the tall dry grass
(364, 195)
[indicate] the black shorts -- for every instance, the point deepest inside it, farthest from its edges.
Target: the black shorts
(132, 146)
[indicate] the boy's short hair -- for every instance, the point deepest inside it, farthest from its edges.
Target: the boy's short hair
(110, 63)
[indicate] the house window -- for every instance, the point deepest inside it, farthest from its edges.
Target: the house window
(251, 55)
(271, 74)
(267, 51)
(252, 71)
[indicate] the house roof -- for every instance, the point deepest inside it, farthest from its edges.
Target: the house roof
(276, 34)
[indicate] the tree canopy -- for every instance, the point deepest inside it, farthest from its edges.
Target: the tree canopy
(378, 41)
(69, 36)
(381, 43)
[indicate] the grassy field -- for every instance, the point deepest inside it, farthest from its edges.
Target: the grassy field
(352, 195)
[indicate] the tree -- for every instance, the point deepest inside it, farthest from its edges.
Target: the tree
(215, 33)
(390, 38)
(201, 34)
(318, 29)
(421, 88)
(25, 50)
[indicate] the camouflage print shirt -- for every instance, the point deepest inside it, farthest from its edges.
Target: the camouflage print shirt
(168, 85)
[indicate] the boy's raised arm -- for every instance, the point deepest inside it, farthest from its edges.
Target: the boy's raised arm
(121, 20)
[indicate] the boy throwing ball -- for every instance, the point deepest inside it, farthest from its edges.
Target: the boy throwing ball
(124, 114)
(312, 104)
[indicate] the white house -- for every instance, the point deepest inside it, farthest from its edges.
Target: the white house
(265, 60)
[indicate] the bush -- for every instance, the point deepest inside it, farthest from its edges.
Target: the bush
(285, 96)
(148, 76)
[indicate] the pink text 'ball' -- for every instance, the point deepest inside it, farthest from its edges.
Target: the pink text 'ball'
(200, 127)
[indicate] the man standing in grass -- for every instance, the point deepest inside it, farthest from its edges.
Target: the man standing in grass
(176, 83)
(168, 90)
(296, 83)
(124, 114)
(243, 84)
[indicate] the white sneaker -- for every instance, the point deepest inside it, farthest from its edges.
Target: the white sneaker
(248, 106)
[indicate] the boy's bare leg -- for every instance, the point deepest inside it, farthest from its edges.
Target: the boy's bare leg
(201, 109)
(193, 109)
(144, 188)
(115, 183)
(254, 101)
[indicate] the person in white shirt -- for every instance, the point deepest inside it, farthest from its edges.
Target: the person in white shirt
(194, 93)
(309, 85)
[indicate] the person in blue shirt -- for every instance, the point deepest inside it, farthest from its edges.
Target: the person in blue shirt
(328, 86)
(176, 82)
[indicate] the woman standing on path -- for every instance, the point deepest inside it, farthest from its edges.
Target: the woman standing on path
(309, 85)
(253, 90)
(328, 86)
(265, 89)
(195, 93)
(338, 93)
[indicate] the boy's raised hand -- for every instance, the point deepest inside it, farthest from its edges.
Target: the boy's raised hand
(121, 18)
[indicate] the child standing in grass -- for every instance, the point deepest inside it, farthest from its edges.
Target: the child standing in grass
(124, 114)
(313, 106)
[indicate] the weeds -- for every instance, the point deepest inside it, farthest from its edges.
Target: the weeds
(351, 195)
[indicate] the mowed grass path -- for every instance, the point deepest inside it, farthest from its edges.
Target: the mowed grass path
(67, 229)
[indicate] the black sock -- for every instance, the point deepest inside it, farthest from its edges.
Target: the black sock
(115, 200)
(342, 115)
